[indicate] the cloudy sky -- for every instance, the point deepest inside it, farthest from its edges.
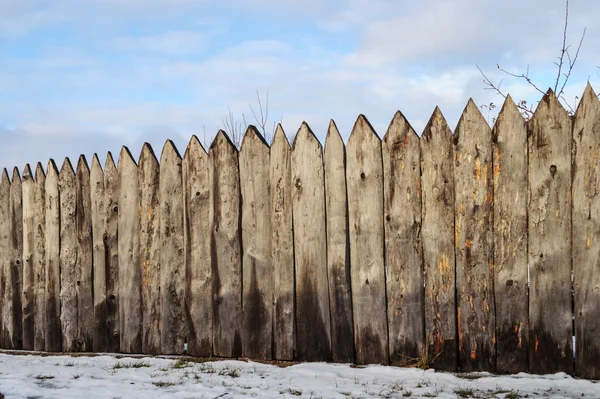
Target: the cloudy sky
(85, 76)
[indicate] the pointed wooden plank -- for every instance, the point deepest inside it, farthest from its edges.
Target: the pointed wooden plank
(257, 272)
(198, 295)
(98, 216)
(6, 287)
(338, 248)
(313, 320)
(39, 259)
(549, 226)
(510, 240)
(130, 287)
(364, 173)
(69, 274)
(474, 200)
(586, 235)
(27, 295)
(172, 259)
(225, 247)
(85, 298)
(403, 247)
(149, 172)
(111, 247)
(284, 320)
(16, 256)
(53, 333)
(437, 232)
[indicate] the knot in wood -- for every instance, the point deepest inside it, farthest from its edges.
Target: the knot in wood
(552, 170)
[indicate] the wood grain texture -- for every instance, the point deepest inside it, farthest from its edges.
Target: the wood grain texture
(27, 294)
(474, 199)
(313, 319)
(403, 246)
(257, 270)
(586, 235)
(130, 285)
(172, 260)
(6, 283)
(111, 248)
(98, 219)
(149, 180)
(282, 246)
(549, 226)
(53, 333)
(85, 284)
(437, 232)
(69, 274)
(16, 256)
(338, 248)
(364, 174)
(39, 259)
(226, 247)
(198, 294)
(510, 240)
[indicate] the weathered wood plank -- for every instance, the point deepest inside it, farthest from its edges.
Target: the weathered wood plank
(85, 298)
(549, 226)
(98, 208)
(586, 235)
(149, 175)
(53, 333)
(257, 271)
(225, 247)
(284, 320)
(39, 259)
(130, 287)
(510, 240)
(111, 248)
(313, 320)
(474, 199)
(6, 284)
(338, 248)
(172, 259)
(69, 274)
(437, 232)
(364, 174)
(198, 295)
(27, 294)
(16, 256)
(403, 247)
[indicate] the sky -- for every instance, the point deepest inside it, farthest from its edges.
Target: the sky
(88, 76)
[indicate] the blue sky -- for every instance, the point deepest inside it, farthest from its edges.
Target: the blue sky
(85, 76)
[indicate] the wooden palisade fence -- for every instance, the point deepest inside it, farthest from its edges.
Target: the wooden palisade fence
(407, 251)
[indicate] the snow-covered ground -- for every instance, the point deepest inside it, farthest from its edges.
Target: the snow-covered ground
(27, 376)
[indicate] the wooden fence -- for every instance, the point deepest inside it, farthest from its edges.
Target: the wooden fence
(472, 250)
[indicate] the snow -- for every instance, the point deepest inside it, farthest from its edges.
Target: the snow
(29, 376)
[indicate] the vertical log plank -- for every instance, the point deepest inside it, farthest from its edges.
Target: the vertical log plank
(39, 259)
(510, 240)
(69, 274)
(473, 179)
(338, 248)
(586, 235)
(364, 173)
(149, 175)
(53, 333)
(226, 247)
(549, 226)
(130, 287)
(111, 248)
(282, 247)
(313, 319)
(172, 259)
(16, 256)
(101, 332)
(27, 295)
(437, 218)
(403, 247)
(85, 298)
(6, 287)
(198, 294)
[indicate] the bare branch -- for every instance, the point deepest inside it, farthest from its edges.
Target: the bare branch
(572, 63)
(563, 49)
